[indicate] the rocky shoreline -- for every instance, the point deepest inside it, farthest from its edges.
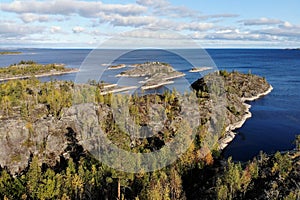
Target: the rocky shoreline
(56, 73)
(230, 134)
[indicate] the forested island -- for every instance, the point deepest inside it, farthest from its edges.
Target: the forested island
(44, 154)
(26, 69)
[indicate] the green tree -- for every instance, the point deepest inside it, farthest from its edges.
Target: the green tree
(49, 187)
(33, 177)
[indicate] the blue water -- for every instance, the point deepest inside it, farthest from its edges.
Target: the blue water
(276, 117)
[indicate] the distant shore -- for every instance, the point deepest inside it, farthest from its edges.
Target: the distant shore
(230, 134)
(10, 52)
(56, 73)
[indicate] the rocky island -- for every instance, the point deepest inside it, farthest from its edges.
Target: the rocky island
(27, 69)
(119, 66)
(156, 74)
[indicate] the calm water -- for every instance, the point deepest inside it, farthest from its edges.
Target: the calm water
(276, 117)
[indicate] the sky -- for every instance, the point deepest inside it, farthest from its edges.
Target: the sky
(210, 24)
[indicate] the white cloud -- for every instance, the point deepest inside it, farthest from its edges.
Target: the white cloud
(78, 29)
(217, 16)
(29, 17)
(68, 7)
(261, 21)
(55, 29)
(13, 29)
(156, 3)
(195, 26)
(133, 21)
(286, 30)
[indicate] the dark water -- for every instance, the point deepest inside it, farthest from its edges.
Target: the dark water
(276, 117)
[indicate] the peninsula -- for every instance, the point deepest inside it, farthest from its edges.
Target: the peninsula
(27, 69)
(240, 88)
(156, 74)
(49, 133)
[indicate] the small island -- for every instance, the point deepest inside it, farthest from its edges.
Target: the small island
(119, 66)
(9, 52)
(199, 69)
(156, 74)
(27, 69)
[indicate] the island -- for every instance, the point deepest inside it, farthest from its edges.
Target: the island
(199, 69)
(9, 52)
(27, 69)
(156, 74)
(119, 66)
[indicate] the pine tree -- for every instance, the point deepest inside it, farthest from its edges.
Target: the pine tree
(33, 177)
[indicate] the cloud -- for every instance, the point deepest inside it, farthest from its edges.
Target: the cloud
(152, 38)
(29, 17)
(55, 29)
(176, 11)
(234, 34)
(216, 16)
(261, 21)
(68, 7)
(278, 32)
(13, 29)
(154, 23)
(243, 36)
(285, 30)
(195, 26)
(78, 29)
(165, 8)
(132, 21)
(155, 3)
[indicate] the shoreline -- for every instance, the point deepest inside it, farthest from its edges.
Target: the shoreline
(147, 87)
(122, 89)
(174, 77)
(40, 75)
(230, 134)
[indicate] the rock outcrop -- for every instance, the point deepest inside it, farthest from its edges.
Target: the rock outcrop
(222, 109)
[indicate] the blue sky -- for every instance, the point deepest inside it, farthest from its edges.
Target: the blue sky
(211, 24)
